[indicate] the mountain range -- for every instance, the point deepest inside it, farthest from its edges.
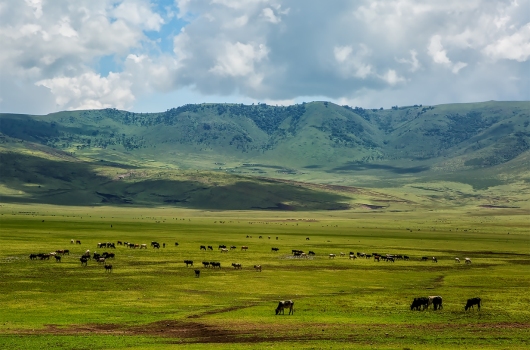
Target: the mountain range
(316, 155)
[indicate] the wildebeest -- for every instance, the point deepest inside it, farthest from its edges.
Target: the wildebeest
(257, 267)
(203, 247)
(236, 265)
(436, 301)
(108, 268)
(468, 261)
(457, 260)
(244, 247)
(417, 303)
(197, 273)
(434, 260)
(471, 302)
(188, 262)
(274, 249)
(84, 261)
(285, 304)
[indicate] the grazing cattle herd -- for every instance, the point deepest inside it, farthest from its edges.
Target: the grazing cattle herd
(418, 303)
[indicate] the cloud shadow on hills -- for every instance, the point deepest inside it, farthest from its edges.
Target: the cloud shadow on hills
(59, 182)
(389, 168)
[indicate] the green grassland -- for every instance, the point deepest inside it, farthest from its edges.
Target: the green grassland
(151, 300)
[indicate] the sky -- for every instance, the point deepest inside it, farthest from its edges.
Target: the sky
(152, 55)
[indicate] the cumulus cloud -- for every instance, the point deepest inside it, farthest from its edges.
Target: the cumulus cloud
(262, 50)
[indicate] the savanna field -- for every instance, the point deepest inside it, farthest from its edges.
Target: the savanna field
(151, 300)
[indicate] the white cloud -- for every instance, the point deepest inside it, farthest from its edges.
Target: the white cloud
(439, 55)
(238, 59)
(512, 47)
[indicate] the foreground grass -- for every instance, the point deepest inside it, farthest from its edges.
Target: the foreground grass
(151, 300)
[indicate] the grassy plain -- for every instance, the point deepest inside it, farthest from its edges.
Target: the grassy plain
(152, 301)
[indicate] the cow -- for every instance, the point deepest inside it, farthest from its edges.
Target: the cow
(101, 260)
(215, 264)
(307, 238)
(32, 256)
(206, 263)
(376, 258)
(244, 247)
(156, 246)
(274, 249)
(203, 247)
(221, 246)
(224, 250)
(236, 265)
(197, 273)
(84, 261)
(436, 301)
(405, 257)
(260, 237)
(468, 260)
(257, 268)
(424, 258)
(176, 244)
(457, 260)
(142, 246)
(312, 253)
(390, 259)
(471, 302)
(57, 258)
(434, 260)
(332, 256)
(285, 304)
(210, 247)
(77, 242)
(72, 241)
(232, 247)
(352, 256)
(188, 262)
(420, 302)
(342, 254)
(108, 268)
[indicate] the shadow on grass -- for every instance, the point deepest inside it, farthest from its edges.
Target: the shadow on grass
(41, 180)
(390, 168)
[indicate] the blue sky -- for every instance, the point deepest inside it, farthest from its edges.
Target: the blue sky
(146, 55)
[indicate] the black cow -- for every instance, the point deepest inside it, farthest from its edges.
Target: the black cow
(206, 263)
(32, 256)
(197, 273)
(471, 302)
(176, 244)
(417, 303)
(84, 261)
(210, 247)
(188, 262)
(221, 246)
(436, 302)
(286, 304)
(274, 249)
(203, 247)
(424, 258)
(215, 264)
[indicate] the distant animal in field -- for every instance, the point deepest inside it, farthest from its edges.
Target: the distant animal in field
(232, 247)
(307, 238)
(57, 258)
(312, 253)
(197, 273)
(285, 304)
(434, 260)
(332, 256)
(203, 247)
(274, 249)
(210, 247)
(206, 263)
(342, 254)
(108, 268)
(77, 242)
(424, 258)
(352, 256)
(32, 256)
(188, 262)
(419, 303)
(143, 246)
(236, 265)
(436, 302)
(215, 264)
(72, 241)
(224, 250)
(176, 244)
(257, 268)
(471, 302)
(221, 246)
(84, 261)
(457, 260)
(468, 261)
(244, 247)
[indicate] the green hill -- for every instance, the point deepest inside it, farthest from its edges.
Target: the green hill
(481, 146)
